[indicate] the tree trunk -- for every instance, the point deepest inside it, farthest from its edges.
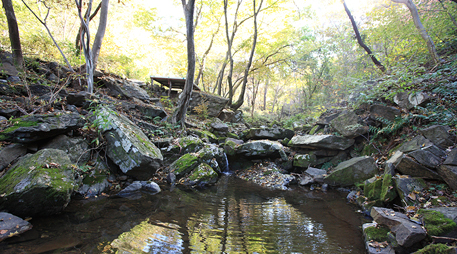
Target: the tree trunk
(265, 94)
(417, 22)
(360, 41)
(100, 32)
(13, 30)
(78, 36)
(85, 41)
(180, 113)
(240, 100)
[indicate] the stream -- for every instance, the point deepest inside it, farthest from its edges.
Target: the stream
(234, 216)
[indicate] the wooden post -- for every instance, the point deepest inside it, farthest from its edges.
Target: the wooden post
(169, 90)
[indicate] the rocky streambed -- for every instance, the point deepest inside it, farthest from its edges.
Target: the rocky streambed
(117, 144)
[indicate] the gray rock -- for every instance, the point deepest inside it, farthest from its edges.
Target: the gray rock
(201, 176)
(147, 111)
(349, 125)
(128, 147)
(426, 158)
(180, 146)
(407, 185)
(38, 127)
(408, 166)
(451, 158)
(79, 99)
(326, 117)
(352, 171)
(448, 212)
(213, 156)
(261, 148)
(372, 250)
(226, 115)
(38, 185)
(321, 141)
(215, 103)
(304, 160)
(439, 135)
(312, 175)
(449, 175)
(219, 126)
(268, 133)
(416, 143)
(11, 225)
(93, 188)
(10, 153)
(137, 186)
(125, 88)
(389, 113)
(407, 233)
(408, 101)
(77, 148)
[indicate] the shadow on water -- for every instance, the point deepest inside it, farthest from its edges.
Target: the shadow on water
(232, 217)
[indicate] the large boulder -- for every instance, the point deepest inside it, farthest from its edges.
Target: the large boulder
(448, 170)
(407, 233)
(261, 148)
(77, 148)
(304, 160)
(407, 165)
(439, 135)
(10, 153)
(321, 141)
(215, 103)
(38, 185)
(38, 127)
(125, 88)
(127, 146)
(268, 133)
(11, 225)
(352, 171)
(349, 125)
(180, 146)
(385, 112)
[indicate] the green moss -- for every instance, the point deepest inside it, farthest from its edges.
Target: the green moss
(203, 172)
(148, 144)
(438, 248)
(373, 190)
(439, 201)
(435, 222)
(94, 179)
(388, 192)
(232, 135)
(313, 130)
(378, 234)
(184, 164)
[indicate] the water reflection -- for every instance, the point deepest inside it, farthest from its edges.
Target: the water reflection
(233, 217)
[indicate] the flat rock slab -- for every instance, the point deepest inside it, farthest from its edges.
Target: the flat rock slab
(321, 141)
(268, 133)
(11, 225)
(38, 127)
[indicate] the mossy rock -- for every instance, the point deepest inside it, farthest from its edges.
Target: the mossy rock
(314, 130)
(378, 234)
(232, 135)
(184, 164)
(380, 190)
(435, 222)
(437, 248)
(204, 134)
(388, 193)
(373, 190)
(201, 176)
(38, 185)
(230, 147)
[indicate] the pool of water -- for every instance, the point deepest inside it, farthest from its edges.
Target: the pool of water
(232, 217)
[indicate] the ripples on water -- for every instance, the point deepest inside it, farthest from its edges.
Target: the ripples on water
(232, 217)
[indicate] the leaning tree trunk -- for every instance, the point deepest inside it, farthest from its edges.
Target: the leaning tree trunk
(417, 22)
(240, 100)
(360, 41)
(180, 113)
(13, 30)
(100, 32)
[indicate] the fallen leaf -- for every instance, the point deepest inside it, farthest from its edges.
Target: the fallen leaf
(412, 196)
(3, 231)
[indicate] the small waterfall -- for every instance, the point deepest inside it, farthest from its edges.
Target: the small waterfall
(225, 167)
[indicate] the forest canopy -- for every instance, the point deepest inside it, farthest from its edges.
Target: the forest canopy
(305, 54)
